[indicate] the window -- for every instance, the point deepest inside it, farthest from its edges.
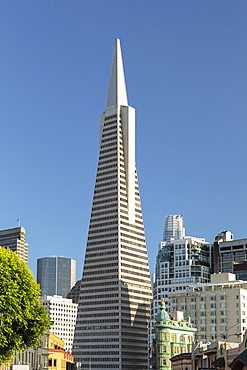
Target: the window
(50, 362)
(243, 313)
(213, 321)
(236, 296)
(222, 305)
(237, 304)
(173, 337)
(192, 299)
(212, 298)
(164, 361)
(223, 321)
(193, 314)
(222, 298)
(174, 300)
(212, 313)
(182, 300)
(54, 362)
(203, 328)
(203, 321)
(223, 313)
(203, 313)
(203, 306)
(182, 338)
(212, 328)
(202, 299)
(223, 328)
(203, 336)
(212, 305)
(192, 307)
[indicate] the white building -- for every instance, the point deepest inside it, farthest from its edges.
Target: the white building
(63, 313)
(174, 228)
(179, 263)
(115, 294)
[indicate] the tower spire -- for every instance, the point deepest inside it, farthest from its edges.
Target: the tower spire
(117, 94)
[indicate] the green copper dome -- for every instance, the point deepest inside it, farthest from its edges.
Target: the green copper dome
(162, 314)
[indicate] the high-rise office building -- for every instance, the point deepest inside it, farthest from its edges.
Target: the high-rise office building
(56, 275)
(74, 292)
(174, 228)
(14, 239)
(114, 304)
(62, 312)
(230, 255)
(179, 263)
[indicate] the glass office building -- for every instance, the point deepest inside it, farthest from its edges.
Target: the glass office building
(174, 228)
(56, 275)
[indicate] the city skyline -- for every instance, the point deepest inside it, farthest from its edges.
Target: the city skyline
(186, 77)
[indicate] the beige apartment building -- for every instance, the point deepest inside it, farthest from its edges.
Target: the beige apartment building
(218, 309)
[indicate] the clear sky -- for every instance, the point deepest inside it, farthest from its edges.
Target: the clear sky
(185, 65)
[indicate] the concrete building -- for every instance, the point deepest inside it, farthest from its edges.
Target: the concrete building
(173, 336)
(114, 305)
(220, 354)
(179, 263)
(74, 292)
(36, 358)
(56, 275)
(183, 361)
(240, 270)
(227, 252)
(174, 228)
(14, 239)
(62, 313)
(59, 359)
(218, 309)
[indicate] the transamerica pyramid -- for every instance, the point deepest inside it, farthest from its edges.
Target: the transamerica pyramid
(114, 306)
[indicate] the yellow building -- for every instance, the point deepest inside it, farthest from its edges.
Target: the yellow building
(59, 359)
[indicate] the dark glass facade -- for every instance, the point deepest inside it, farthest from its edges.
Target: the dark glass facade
(54, 275)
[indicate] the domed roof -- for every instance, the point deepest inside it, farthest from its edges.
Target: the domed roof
(162, 314)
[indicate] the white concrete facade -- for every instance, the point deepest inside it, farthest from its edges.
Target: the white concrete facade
(115, 294)
(63, 313)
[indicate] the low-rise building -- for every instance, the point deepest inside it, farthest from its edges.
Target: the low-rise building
(219, 354)
(59, 359)
(182, 361)
(173, 336)
(36, 358)
(218, 309)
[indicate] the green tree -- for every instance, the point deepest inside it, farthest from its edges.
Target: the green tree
(23, 319)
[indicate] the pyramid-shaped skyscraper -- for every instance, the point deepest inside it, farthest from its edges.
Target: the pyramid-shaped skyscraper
(114, 305)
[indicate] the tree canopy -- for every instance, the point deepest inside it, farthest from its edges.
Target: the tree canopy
(23, 319)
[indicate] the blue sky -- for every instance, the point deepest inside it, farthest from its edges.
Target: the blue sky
(185, 65)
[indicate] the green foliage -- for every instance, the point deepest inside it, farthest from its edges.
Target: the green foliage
(23, 319)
